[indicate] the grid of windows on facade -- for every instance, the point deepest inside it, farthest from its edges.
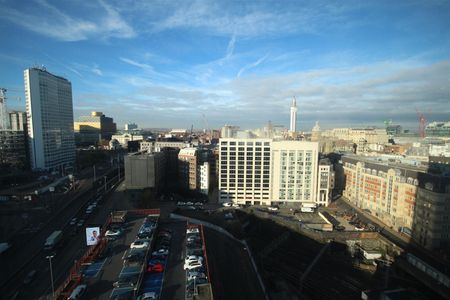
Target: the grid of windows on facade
(245, 169)
(295, 175)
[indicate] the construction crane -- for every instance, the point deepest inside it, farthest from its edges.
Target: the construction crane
(422, 123)
(207, 127)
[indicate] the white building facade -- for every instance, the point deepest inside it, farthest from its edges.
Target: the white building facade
(244, 171)
(266, 172)
(204, 178)
(294, 171)
(50, 120)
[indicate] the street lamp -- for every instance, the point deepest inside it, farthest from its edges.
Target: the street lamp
(49, 257)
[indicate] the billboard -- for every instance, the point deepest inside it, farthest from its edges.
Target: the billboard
(92, 235)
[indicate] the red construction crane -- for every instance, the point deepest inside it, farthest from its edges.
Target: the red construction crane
(422, 123)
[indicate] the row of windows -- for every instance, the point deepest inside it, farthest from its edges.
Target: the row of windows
(241, 143)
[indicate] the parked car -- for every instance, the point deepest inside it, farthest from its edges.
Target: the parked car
(192, 230)
(126, 282)
(193, 238)
(192, 265)
(156, 268)
(139, 244)
(193, 258)
(273, 208)
(148, 296)
(113, 234)
(160, 252)
(195, 275)
(78, 292)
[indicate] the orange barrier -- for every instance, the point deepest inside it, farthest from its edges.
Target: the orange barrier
(204, 252)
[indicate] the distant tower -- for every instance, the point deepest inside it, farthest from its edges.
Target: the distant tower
(3, 111)
(315, 133)
(293, 126)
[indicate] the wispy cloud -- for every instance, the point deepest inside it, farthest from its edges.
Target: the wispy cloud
(143, 66)
(230, 47)
(96, 70)
(252, 65)
(48, 20)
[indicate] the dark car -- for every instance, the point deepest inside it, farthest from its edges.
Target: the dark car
(126, 282)
(30, 277)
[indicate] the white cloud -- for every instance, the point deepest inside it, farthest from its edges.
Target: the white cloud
(96, 70)
(230, 47)
(146, 67)
(50, 21)
(252, 65)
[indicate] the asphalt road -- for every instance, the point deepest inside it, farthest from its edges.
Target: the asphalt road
(174, 277)
(32, 254)
(232, 274)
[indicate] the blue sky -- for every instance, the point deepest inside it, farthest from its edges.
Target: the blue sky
(168, 63)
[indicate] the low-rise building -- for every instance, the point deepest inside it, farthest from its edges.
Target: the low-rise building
(187, 165)
(438, 129)
(325, 183)
(123, 139)
(143, 170)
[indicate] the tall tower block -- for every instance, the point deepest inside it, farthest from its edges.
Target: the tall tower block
(293, 124)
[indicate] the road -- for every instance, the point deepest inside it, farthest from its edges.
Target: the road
(30, 255)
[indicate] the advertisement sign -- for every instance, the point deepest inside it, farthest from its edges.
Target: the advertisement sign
(92, 235)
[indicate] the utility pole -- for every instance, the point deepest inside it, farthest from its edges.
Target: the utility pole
(51, 274)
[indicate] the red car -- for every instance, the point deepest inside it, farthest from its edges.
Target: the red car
(156, 268)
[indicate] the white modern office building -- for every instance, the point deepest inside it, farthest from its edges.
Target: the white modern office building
(294, 171)
(50, 120)
(267, 172)
(244, 170)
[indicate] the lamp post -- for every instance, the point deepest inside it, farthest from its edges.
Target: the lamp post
(49, 257)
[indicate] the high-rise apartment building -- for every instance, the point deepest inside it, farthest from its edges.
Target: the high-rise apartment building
(264, 171)
(49, 119)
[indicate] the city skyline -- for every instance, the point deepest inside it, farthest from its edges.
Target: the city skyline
(166, 64)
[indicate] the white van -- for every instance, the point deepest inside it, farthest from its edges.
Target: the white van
(78, 292)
